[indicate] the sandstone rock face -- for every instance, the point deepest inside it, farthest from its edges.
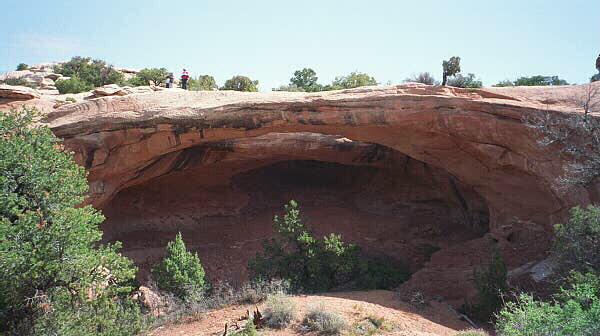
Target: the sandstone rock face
(429, 175)
(18, 92)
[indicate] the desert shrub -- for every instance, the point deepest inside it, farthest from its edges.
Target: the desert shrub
(380, 323)
(22, 66)
(504, 83)
(202, 83)
(157, 75)
(577, 242)
(280, 311)
(180, 271)
(303, 80)
(93, 73)
(71, 100)
(423, 77)
(468, 81)
(319, 264)
(320, 320)
(540, 80)
(241, 83)
(72, 85)
(575, 311)
(490, 282)
(248, 330)
(472, 332)
(55, 276)
(289, 88)
(353, 80)
(18, 82)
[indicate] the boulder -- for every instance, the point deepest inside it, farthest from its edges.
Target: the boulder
(110, 90)
(53, 76)
(18, 92)
(15, 74)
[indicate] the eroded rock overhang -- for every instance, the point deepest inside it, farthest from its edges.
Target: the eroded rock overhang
(476, 137)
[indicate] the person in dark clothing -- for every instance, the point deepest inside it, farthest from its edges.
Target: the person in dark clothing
(184, 78)
(169, 81)
(598, 63)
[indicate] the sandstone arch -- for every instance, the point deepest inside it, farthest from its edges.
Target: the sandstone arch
(476, 137)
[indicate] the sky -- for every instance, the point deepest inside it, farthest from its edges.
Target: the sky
(268, 40)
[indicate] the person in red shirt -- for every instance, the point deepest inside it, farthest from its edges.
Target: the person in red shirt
(184, 78)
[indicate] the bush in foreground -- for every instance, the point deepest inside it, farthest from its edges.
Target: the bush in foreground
(320, 320)
(575, 311)
(280, 311)
(577, 243)
(180, 271)
(55, 276)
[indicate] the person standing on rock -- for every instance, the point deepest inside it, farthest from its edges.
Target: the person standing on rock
(169, 80)
(598, 63)
(184, 78)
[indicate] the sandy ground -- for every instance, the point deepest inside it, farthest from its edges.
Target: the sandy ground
(354, 307)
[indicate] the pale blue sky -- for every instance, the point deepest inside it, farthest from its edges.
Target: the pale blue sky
(268, 40)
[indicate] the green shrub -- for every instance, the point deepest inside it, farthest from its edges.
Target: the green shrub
(320, 264)
(22, 66)
(491, 284)
(55, 276)
(71, 100)
(72, 85)
(157, 75)
(472, 332)
(467, 81)
(18, 82)
(280, 311)
(353, 80)
(303, 80)
(577, 243)
(241, 83)
(320, 320)
(93, 73)
(180, 271)
(248, 330)
(504, 83)
(575, 311)
(202, 83)
(540, 80)
(289, 88)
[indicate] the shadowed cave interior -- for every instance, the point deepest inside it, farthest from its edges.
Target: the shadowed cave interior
(389, 204)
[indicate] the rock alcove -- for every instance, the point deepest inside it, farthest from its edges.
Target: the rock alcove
(433, 176)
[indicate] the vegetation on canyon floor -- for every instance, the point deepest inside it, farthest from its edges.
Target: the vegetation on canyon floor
(313, 264)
